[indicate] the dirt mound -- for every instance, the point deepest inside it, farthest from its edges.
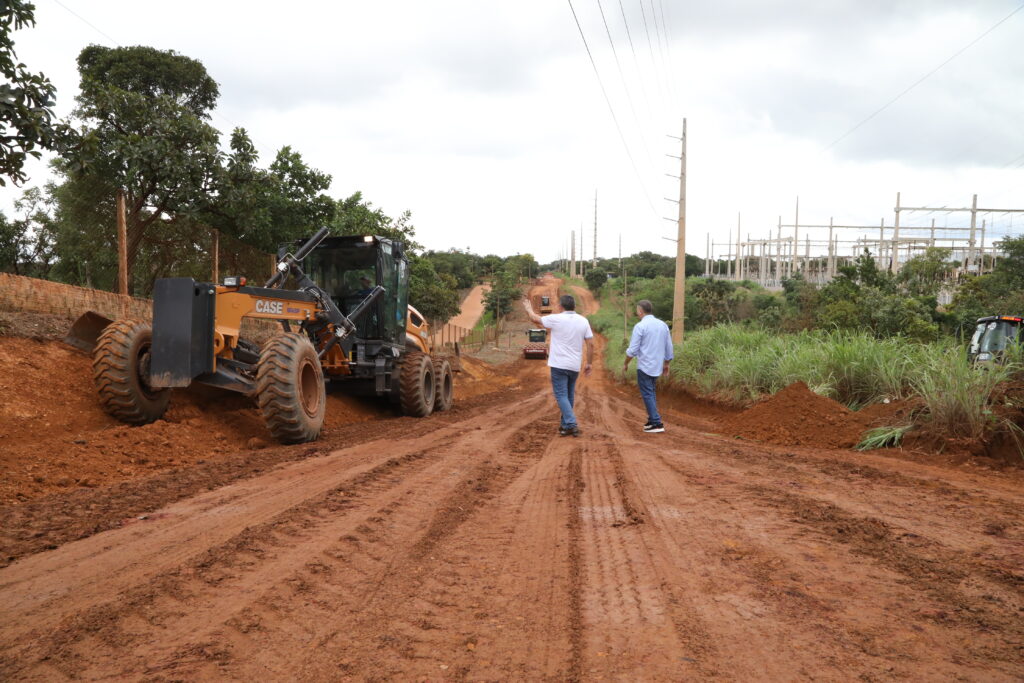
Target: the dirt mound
(56, 437)
(796, 416)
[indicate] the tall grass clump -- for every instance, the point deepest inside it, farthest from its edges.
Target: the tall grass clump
(957, 395)
(743, 363)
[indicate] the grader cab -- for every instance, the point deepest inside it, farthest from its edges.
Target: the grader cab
(344, 319)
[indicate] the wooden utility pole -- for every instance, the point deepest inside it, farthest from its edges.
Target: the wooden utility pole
(122, 245)
(679, 301)
(216, 256)
(593, 264)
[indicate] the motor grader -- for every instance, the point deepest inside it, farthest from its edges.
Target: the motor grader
(342, 304)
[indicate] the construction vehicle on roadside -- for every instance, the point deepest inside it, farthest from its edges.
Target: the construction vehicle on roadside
(345, 321)
(536, 345)
(545, 305)
(992, 335)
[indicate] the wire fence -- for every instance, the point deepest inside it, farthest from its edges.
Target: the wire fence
(476, 339)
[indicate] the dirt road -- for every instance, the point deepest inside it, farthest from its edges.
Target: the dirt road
(481, 546)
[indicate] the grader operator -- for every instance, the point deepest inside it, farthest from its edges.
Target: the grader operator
(355, 329)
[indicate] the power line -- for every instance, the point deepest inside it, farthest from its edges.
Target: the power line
(650, 49)
(668, 50)
(611, 110)
(625, 86)
(921, 80)
(636, 61)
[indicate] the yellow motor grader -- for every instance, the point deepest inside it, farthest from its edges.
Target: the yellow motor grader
(345, 320)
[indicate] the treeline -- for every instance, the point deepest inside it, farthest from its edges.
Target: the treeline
(863, 297)
(141, 126)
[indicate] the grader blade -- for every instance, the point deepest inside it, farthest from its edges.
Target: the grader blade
(86, 331)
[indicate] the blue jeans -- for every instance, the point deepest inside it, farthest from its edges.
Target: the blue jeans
(646, 384)
(563, 385)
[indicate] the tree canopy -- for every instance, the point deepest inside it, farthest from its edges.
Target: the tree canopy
(27, 121)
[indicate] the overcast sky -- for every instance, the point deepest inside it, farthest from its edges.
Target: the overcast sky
(486, 119)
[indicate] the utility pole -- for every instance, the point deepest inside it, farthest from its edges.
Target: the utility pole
(974, 223)
(216, 256)
(679, 302)
(896, 239)
(572, 264)
(593, 264)
(796, 240)
(739, 266)
(122, 245)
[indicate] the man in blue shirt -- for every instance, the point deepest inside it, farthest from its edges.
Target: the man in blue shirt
(651, 345)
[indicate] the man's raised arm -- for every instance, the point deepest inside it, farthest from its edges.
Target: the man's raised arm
(529, 311)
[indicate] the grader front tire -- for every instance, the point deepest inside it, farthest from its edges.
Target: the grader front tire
(417, 384)
(290, 389)
(120, 370)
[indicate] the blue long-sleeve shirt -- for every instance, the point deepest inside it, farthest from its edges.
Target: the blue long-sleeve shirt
(651, 345)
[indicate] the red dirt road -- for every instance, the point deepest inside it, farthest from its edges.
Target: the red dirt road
(478, 545)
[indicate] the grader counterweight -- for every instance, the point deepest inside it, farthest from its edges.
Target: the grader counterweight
(345, 321)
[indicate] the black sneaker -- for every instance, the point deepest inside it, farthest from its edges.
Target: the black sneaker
(573, 431)
(655, 428)
(562, 431)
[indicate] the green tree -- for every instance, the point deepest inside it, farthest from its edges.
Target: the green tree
(27, 240)
(503, 293)
(27, 122)
(433, 294)
(595, 278)
(1010, 269)
(144, 115)
(267, 207)
(924, 274)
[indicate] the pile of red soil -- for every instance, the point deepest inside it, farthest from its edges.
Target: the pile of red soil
(55, 436)
(796, 416)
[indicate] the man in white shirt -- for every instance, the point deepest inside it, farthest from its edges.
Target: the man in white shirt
(651, 345)
(569, 331)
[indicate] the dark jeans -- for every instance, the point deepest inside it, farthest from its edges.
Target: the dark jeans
(646, 384)
(563, 385)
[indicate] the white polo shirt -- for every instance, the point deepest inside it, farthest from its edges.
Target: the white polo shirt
(568, 330)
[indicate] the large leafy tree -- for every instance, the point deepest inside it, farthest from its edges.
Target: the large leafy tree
(144, 115)
(265, 207)
(27, 122)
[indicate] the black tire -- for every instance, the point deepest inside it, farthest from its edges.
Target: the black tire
(120, 369)
(444, 385)
(290, 388)
(417, 384)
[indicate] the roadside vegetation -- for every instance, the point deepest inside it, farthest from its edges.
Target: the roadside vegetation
(867, 337)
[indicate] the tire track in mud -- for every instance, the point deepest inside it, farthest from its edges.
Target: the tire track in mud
(789, 584)
(869, 538)
(254, 553)
(47, 523)
(576, 487)
(966, 514)
(395, 561)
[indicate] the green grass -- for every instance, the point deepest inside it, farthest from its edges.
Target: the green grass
(883, 437)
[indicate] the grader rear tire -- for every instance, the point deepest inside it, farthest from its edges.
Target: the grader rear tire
(290, 389)
(445, 385)
(120, 369)
(417, 384)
